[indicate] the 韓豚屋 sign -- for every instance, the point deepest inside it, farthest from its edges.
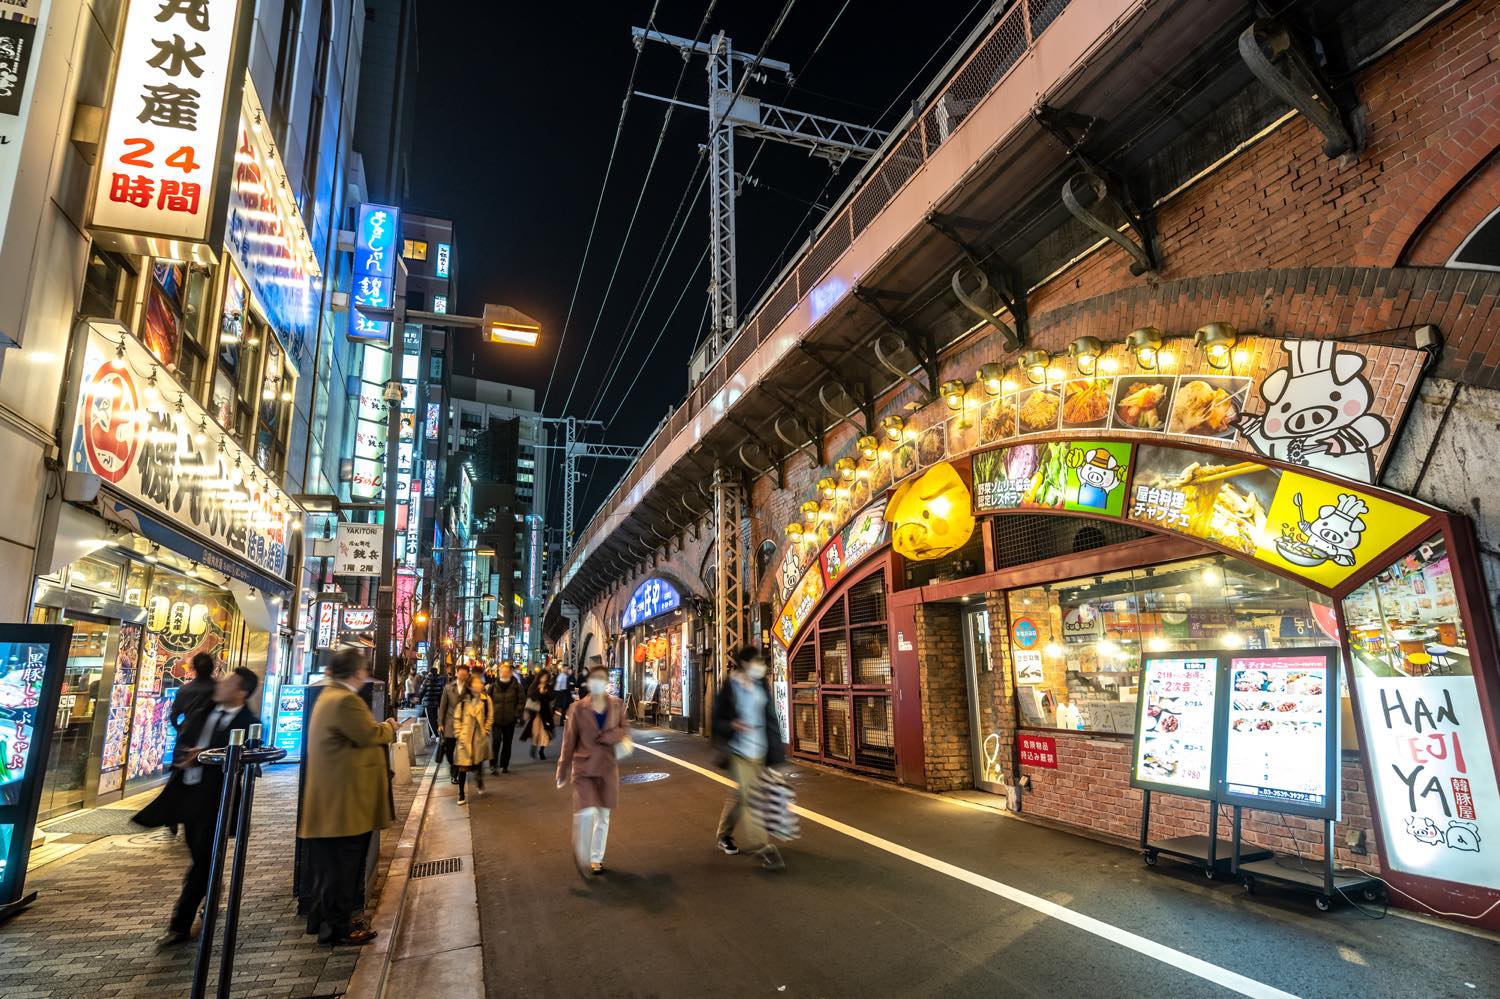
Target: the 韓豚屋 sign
(170, 123)
(150, 441)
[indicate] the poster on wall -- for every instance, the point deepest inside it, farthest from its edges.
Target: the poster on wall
(117, 722)
(1434, 778)
(1028, 666)
(1174, 745)
(1279, 714)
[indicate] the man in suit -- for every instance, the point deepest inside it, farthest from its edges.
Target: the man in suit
(192, 794)
(347, 797)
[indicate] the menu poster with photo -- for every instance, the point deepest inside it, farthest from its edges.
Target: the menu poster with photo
(1174, 744)
(1279, 731)
(1433, 776)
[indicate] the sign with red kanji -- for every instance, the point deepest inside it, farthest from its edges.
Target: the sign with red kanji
(169, 121)
(1037, 750)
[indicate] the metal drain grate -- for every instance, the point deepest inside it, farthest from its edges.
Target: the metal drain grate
(644, 778)
(432, 868)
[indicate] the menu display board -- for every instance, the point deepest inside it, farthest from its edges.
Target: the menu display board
(1174, 743)
(1279, 752)
(288, 732)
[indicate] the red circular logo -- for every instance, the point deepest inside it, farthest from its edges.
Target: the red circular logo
(109, 423)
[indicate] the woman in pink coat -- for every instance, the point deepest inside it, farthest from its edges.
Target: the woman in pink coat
(596, 729)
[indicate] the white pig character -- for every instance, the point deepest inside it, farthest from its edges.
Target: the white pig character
(1098, 474)
(1317, 412)
(1336, 531)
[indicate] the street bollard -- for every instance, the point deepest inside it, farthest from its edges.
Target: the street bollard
(241, 761)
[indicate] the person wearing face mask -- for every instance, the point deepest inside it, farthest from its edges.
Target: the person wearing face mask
(748, 737)
(595, 733)
(506, 695)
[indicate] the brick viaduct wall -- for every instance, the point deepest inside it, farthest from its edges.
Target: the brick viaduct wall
(1281, 241)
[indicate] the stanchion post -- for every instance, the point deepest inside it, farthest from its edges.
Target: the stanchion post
(247, 777)
(216, 865)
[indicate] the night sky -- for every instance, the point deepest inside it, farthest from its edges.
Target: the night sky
(517, 106)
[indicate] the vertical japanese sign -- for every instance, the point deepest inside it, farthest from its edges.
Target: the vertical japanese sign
(376, 238)
(168, 125)
(444, 259)
(23, 25)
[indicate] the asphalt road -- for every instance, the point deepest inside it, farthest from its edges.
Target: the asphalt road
(890, 893)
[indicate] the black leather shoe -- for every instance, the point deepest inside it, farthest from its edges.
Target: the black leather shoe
(354, 938)
(173, 938)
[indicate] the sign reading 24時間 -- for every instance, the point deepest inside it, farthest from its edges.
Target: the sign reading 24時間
(138, 431)
(169, 123)
(651, 598)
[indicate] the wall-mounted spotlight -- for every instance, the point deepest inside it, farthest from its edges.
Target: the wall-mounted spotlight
(810, 511)
(794, 531)
(1145, 344)
(1085, 352)
(1216, 340)
(953, 391)
(845, 467)
(827, 487)
(992, 377)
(869, 446)
(1034, 365)
(892, 426)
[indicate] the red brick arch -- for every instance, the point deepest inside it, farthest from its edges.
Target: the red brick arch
(1455, 217)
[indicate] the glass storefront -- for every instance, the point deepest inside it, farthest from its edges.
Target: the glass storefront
(659, 672)
(1076, 645)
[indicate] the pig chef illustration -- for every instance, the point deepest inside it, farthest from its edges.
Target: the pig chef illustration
(1098, 474)
(1318, 412)
(1332, 536)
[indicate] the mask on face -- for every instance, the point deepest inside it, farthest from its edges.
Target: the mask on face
(598, 686)
(757, 671)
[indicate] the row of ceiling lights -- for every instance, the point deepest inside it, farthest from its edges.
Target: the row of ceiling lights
(1146, 344)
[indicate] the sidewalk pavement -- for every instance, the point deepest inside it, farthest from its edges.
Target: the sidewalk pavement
(93, 928)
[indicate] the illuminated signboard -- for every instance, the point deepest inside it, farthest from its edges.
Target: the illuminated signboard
(359, 618)
(806, 573)
(170, 120)
(1081, 476)
(1281, 708)
(1174, 745)
(434, 420)
(287, 735)
(22, 32)
(651, 598)
(359, 551)
(444, 260)
(375, 251)
(327, 619)
(534, 559)
(440, 304)
(429, 477)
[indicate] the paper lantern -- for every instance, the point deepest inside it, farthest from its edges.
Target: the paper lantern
(932, 515)
(640, 653)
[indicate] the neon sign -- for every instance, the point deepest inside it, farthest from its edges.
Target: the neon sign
(652, 598)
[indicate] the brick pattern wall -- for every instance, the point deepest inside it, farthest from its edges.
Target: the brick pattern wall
(1091, 789)
(945, 699)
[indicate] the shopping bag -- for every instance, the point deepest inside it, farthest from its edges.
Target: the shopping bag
(624, 748)
(773, 799)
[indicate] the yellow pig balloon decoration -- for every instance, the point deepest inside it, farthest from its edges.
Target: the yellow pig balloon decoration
(932, 515)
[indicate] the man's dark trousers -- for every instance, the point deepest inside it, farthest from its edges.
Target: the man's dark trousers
(337, 864)
(199, 818)
(500, 740)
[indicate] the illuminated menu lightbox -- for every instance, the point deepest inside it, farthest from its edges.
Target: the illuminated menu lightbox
(1278, 715)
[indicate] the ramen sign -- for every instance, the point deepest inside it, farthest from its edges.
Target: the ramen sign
(150, 441)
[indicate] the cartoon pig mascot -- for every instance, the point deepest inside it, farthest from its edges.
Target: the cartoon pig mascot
(1317, 412)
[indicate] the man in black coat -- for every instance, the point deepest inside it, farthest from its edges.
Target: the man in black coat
(192, 794)
(195, 695)
(507, 696)
(747, 735)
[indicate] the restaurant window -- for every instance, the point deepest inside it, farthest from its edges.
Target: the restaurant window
(414, 249)
(1076, 646)
(286, 66)
(322, 57)
(106, 286)
(1405, 621)
(173, 326)
(232, 356)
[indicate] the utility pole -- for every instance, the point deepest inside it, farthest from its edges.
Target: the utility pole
(730, 112)
(574, 449)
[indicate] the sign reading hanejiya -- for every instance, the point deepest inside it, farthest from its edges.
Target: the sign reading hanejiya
(143, 435)
(170, 125)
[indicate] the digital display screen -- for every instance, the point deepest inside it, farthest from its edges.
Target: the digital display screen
(288, 735)
(23, 668)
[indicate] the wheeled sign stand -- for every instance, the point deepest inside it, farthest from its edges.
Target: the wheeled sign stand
(1210, 854)
(1322, 882)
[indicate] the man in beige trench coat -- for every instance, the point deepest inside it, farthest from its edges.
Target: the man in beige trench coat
(347, 797)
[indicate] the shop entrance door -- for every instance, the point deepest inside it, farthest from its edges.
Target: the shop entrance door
(985, 699)
(82, 713)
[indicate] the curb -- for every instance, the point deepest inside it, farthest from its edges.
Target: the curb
(368, 980)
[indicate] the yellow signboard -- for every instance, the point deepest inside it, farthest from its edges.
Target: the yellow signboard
(1327, 531)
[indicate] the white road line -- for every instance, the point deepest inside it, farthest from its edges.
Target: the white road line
(1141, 945)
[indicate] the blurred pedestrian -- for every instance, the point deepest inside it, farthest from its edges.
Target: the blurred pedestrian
(447, 708)
(191, 795)
(748, 737)
(432, 699)
(506, 697)
(537, 728)
(471, 727)
(197, 693)
(413, 684)
(562, 693)
(595, 732)
(346, 797)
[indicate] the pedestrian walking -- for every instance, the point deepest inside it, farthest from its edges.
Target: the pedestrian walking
(413, 684)
(537, 727)
(472, 721)
(506, 697)
(196, 694)
(748, 737)
(346, 797)
(563, 693)
(432, 699)
(447, 707)
(191, 795)
(595, 733)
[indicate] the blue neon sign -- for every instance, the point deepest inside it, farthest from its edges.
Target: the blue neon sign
(444, 258)
(375, 241)
(651, 599)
